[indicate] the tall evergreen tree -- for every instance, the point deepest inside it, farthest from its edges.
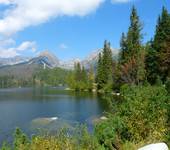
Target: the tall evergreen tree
(91, 79)
(161, 44)
(132, 54)
(78, 74)
(123, 49)
(100, 76)
(134, 35)
(151, 63)
(104, 69)
(84, 76)
(107, 63)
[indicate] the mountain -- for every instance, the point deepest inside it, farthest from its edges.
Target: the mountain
(26, 67)
(20, 71)
(89, 61)
(13, 60)
(69, 64)
(92, 59)
(46, 59)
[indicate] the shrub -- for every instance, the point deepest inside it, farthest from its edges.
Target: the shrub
(141, 118)
(145, 112)
(108, 133)
(20, 140)
(168, 85)
(80, 140)
(5, 146)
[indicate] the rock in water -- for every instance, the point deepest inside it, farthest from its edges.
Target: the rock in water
(158, 146)
(53, 118)
(44, 121)
(103, 118)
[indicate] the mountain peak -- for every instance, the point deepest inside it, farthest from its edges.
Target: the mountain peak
(46, 53)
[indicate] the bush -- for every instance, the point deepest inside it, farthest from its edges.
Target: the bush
(168, 85)
(140, 119)
(145, 112)
(109, 132)
(5, 146)
(80, 140)
(20, 140)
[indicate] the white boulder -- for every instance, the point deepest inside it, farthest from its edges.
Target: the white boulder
(53, 118)
(118, 94)
(103, 118)
(158, 146)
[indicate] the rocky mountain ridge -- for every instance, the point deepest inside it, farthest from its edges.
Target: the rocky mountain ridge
(47, 59)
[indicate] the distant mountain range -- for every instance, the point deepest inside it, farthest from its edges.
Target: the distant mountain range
(13, 60)
(23, 66)
(92, 59)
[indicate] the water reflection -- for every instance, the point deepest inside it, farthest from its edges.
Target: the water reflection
(20, 106)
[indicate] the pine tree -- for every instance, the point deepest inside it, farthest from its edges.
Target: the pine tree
(161, 44)
(77, 68)
(134, 35)
(91, 79)
(141, 72)
(104, 69)
(84, 76)
(132, 53)
(107, 63)
(100, 73)
(123, 49)
(151, 63)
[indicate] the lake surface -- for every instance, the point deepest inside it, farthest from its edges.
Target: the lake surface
(33, 108)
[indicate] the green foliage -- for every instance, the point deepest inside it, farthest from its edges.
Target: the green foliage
(141, 118)
(11, 81)
(104, 76)
(20, 140)
(132, 55)
(80, 140)
(145, 112)
(108, 133)
(168, 85)
(134, 36)
(158, 81)
(42, 77)
(5, 146)
(86, 140)
(158, 50)
(129, 146)
(51, 77)
(107, 63)
(123, 53)
(80, 79)
(161, 44)
(100, 73)
(151, 63)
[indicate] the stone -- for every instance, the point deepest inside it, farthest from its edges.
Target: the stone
(157, 146)
(103, 118)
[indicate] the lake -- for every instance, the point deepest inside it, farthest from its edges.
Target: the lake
(46, 108)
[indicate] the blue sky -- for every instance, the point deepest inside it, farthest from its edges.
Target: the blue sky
(71, 33)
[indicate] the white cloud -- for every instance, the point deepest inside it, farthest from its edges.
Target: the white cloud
(63, 46)
(120, 1)
(7, 42)
(6, 52)
(33, 12)
(27, 46)
(5, 2)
